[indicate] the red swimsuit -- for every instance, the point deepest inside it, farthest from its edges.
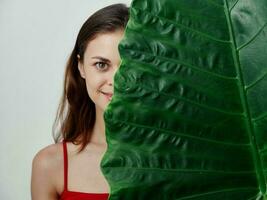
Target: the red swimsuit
(70, 195)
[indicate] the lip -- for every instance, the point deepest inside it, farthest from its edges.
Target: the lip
(108, 95)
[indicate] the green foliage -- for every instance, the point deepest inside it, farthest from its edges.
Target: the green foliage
(188, 119)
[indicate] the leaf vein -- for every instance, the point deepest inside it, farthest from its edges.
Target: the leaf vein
(233, 6)
(212, 108)
(182, 170)
(263, 152)
(260, 117)
(256, 81)
(215, 192)
(253, 197)
(253, 38)
(244, 101)
(210, 37)
(197, 68)
(164, 131)
(177, 79)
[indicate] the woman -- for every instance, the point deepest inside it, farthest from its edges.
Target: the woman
(71, 169)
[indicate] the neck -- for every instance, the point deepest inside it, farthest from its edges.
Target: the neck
(98, 132)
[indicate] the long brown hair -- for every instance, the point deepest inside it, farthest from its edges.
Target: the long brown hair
(76, 112)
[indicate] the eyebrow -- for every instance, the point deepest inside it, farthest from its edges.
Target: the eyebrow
(102, 59)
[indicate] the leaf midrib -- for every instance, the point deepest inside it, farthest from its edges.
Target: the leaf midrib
(244, 102)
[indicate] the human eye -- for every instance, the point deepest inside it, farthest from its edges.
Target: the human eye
(102, 66)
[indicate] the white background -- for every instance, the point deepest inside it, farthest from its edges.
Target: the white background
(36, 38)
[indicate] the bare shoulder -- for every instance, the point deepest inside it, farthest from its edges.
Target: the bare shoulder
(49, 158)
(47, 168)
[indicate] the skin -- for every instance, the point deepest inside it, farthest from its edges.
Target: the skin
(100, 63)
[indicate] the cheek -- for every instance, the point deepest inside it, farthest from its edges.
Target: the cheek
(93, 84)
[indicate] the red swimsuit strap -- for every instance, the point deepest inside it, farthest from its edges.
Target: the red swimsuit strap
(65, 153)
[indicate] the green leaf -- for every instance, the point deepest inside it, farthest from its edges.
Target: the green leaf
(188, 119)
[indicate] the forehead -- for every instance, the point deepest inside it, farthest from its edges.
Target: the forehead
(104, 44)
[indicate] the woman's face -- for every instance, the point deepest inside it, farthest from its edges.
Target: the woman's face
(101, 61)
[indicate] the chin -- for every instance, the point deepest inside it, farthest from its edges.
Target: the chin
(102, 107)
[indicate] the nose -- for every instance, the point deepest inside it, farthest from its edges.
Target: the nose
(111, 76)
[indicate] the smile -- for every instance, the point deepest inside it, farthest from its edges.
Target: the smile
(108, 95)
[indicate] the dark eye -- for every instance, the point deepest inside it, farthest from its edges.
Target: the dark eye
(102, 66)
